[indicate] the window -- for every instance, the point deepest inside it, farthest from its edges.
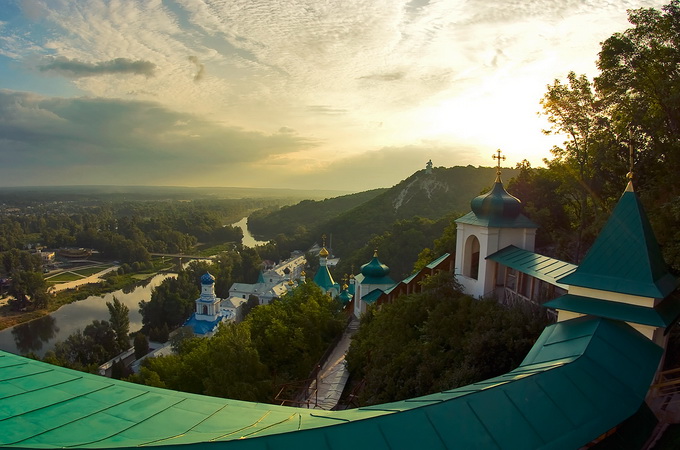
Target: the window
(471, 258)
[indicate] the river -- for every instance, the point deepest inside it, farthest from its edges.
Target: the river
(40, 335)
(248, 239)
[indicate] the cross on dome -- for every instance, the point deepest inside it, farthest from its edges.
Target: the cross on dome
(498, 166)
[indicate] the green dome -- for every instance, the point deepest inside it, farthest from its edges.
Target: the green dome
(496, 204)
(345, 297)
(374, 268)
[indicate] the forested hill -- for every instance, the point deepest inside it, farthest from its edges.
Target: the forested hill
(307, 214)
(443, 192)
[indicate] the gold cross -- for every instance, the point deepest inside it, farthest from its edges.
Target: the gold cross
(323, 237)
(498, 167)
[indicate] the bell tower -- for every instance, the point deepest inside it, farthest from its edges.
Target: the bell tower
(495, 222)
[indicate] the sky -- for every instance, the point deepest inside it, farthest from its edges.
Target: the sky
(307, 94)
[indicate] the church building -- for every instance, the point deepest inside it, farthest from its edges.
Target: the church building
(208, 312)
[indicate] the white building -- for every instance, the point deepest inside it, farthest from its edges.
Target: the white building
(272, 283)
(209, 311)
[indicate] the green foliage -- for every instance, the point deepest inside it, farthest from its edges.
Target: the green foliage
(297, 219)
(401, 246)
(120, 323)
(292, 333)
(634, 103)
(86, 350)
(278, 343)
(439, 339)
(141, 344)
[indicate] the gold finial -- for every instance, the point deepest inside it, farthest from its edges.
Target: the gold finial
(375, 253)
(344, 287)
(498, 166)
(631, 162)
(303, 274)
(323, 253)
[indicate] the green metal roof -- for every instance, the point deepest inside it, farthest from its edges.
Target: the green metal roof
(581, 378)
(538, 266)
(625, 257)
(661, 316)
(386, 280)
(521, 221)
(372, 296)
(324, 279)
(436, 262)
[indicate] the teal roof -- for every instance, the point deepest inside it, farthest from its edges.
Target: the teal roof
(520, 221)
(497, 208)
(436, 262)
(386, 280)
(662, 315)
(581, 378)
(345, 297)
(625, 257)
(324, 279)
(538, 266)
(374, 268)
(372, 296)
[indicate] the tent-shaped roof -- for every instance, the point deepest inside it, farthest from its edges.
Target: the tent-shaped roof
(581, 378)
(324, 279)
(661, 316)
(625, 257)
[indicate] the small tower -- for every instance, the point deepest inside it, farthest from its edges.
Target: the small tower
(623, 276)
(207, 305)
(495, 222)
(373, 280)
(428, 167)
(323, 277)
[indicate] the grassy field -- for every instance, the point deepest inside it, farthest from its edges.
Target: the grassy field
(87, 271)
(64, 277)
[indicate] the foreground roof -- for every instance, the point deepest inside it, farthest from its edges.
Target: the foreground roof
(581, 378)
(538, 266)
(662, 315)
(625, 257)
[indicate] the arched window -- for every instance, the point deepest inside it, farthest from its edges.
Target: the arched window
(205, 309)
(471, 258)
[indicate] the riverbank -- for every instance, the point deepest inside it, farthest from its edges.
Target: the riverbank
(85, 288)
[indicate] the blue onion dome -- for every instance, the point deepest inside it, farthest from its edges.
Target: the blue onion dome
(207, 278)
(375, 268)
(496, 203)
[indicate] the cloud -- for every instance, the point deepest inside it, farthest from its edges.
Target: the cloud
(47, 140)
(384, 167)
(390, 76)
(200, 68)
(325, 110)
(75, 69)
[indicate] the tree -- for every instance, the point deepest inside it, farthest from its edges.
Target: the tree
(29, 285)
(120, 322)
(574, 110)
(436, 340)
(141, 344)
(640, 86)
